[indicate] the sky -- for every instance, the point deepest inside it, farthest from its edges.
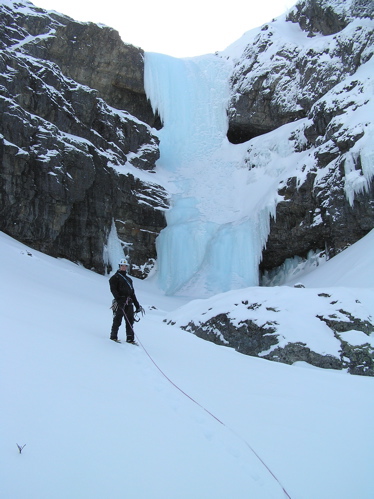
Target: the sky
(178, 29)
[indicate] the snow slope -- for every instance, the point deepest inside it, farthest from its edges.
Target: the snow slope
(99, 419)
(354, 267)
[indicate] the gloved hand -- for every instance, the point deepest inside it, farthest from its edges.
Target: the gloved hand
(140, 309)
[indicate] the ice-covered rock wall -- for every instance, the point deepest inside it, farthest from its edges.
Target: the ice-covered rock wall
(295, 99)
(311, 69)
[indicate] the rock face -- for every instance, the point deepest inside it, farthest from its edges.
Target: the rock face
(277, 79)
(118, 77)
(76, 147)
(311, 72)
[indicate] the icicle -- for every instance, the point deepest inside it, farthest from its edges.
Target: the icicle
(113, 250)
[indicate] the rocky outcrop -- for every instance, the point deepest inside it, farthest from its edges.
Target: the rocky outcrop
(310, 219)
(315, 16)
(90, 54)
(310, 69)
(103, 62)
(288, 325)
(75, 156)
(279, 77)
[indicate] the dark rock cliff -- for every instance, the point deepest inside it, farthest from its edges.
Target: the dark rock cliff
(308, 71)
(76, 148)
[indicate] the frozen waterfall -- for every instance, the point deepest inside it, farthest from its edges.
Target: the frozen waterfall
(211, 243)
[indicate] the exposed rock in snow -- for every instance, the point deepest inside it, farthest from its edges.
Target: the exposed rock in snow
(267, 327)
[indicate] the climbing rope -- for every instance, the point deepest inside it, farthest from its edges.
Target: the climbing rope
(204, 408)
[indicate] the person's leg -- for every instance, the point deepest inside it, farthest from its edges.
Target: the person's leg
(129, 310)
(117, 319)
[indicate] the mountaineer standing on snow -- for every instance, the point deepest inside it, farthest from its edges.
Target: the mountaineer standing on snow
(124, 297)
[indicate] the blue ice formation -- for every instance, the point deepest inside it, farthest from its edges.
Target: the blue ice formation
(211, 243)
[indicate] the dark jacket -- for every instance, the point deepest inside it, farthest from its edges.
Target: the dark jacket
(122, 288)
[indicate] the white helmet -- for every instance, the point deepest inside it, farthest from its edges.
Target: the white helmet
(123, 261)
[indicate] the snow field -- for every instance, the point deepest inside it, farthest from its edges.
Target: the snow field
(99, 419)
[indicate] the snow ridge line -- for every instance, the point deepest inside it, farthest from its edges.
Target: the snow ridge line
(211, 414)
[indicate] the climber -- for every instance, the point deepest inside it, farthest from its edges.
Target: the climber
(124, 297)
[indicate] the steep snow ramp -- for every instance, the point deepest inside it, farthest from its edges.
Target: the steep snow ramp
(353, 267)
